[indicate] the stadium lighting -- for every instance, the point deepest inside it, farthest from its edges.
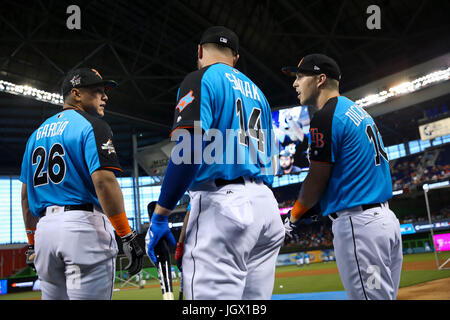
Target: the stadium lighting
(370, 100)
(405, 88)
(27, 91)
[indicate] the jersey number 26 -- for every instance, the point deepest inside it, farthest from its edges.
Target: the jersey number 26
(56, 166)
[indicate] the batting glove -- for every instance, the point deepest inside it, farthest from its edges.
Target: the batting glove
(159, 229)
(291, 229)
(30, 255)
(179, 255)
(134, 253)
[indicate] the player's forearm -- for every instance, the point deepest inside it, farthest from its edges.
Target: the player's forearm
(176, 181)
(312, 188)
(29, 220)
(311, 192)
(111, 199)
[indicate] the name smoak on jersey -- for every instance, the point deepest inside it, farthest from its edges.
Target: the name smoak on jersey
(247, 89)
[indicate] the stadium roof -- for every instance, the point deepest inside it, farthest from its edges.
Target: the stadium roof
(149, 46)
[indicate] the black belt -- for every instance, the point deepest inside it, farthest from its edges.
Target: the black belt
(73, 207)
(222, 182)
(80, 207)
(363, 206)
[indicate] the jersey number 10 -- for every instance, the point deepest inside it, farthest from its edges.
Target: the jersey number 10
(55, 160)
(374, 137)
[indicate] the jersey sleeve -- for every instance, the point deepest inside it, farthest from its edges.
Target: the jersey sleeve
(194, 103)
(25, 165)
(321, 137)
(99, 149)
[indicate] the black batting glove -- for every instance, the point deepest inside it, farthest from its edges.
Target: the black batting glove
(134, 253)
(291, 229)
(30, 255)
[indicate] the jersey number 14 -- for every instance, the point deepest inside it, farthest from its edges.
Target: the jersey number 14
(254, 126)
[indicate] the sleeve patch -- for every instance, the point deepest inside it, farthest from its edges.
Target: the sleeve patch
(317, 138)
(185, 101)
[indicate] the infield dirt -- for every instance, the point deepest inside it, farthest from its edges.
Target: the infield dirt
(431, 290)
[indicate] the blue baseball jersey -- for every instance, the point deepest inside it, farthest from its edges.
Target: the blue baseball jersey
(344, 134)
(235, 119)
(60, 157)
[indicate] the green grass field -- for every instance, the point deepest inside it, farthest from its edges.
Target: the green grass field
(301, 282)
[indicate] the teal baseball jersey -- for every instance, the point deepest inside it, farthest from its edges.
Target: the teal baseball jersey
(235, 119)
(60, 157)
(344, 134)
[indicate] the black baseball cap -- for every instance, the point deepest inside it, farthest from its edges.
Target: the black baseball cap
(316, 64)
(84, 77)
(222, 36)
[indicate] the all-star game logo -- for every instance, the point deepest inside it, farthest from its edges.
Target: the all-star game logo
(76, 80)
(109, 146)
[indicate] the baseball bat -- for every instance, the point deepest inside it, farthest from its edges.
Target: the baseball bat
(163, 261)
(180, 296)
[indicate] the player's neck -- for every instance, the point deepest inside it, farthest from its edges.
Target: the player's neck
(326, 95)
(216, 59)
(72, 106)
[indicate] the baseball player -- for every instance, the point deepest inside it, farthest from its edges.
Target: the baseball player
(349, 175)
(300, 260)
(306, 256)
(71, 200)
(234, 231)
(325, 256)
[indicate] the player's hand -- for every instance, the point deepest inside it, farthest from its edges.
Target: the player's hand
(179, 255)
(134, 253)
(30, 255)
(159, 229)
(291, 229)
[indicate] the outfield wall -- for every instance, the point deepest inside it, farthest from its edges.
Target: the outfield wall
(314, 256)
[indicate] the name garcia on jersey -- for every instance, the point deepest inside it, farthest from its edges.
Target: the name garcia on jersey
(51, 130)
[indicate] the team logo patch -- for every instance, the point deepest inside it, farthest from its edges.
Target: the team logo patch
(316, 138)
(109, 146)
(185, 101)
(76, 80)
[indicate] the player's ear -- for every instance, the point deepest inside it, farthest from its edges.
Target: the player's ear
(200, 52)
(76, 94)
(235, 59)
(321, 79)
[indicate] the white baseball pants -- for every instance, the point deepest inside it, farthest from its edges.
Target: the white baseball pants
(233, 238)
(368, 250)
(75, 255)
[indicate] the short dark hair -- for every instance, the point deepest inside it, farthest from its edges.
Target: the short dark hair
(219, 47)
(66, 95)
